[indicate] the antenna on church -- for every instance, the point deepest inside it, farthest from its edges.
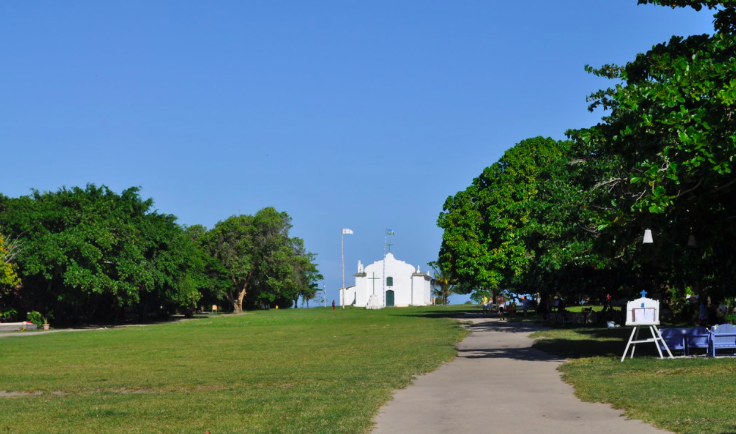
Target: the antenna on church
(385, 245)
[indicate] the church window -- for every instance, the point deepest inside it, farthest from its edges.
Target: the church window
(389, 281)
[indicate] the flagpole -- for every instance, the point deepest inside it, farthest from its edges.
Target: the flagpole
(342, 260)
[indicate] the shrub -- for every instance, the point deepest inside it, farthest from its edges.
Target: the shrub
(35, 317)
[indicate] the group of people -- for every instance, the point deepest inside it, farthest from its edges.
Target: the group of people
(503, 307)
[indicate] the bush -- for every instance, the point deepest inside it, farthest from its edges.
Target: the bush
(35, 317)
(8, 315)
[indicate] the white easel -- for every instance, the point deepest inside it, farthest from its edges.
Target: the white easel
(644, 312)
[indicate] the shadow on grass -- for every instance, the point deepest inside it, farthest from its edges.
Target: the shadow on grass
(603, 343)
(472, 312)
(580, 348)
(561, 342)
(458, 312)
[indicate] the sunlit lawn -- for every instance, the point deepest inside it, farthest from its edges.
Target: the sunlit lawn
(277, 371)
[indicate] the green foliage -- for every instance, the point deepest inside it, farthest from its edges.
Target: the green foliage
(663, 158)
(93, 253)
(266, 267)
(477, 296)
(568, 217)
(8, 315)
(8, 270)
(520, 224)
(443, 284)
(210, 278)
(35, 317)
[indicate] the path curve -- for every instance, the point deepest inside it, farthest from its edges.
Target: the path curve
(499, 383)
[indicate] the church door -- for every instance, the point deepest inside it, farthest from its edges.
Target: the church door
(389, 298)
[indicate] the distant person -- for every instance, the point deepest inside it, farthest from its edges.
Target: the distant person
(333, 304)
(501, 306)
(524, 304)
(703, 312)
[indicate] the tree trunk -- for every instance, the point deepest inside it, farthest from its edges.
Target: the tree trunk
(239, 305)
(241, 297)
(237, 302)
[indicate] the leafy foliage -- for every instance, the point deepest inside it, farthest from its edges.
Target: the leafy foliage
(568, 217)
(443, 285)
(663, 157)
(519, 224)
(8, 273)
(99, 256)
(263, 263)
(94, 253)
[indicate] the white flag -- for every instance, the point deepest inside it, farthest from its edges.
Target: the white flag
(347, 231)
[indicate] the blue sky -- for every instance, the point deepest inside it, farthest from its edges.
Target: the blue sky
(363, 115)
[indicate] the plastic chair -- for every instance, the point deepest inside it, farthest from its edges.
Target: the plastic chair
(722, 337)
(675, 339)
(697, 337)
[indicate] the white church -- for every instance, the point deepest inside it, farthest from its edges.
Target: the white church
(400, 285)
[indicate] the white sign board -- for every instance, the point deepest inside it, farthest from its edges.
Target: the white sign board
(642, 312)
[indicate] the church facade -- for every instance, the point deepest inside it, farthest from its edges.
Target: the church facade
(400, 285)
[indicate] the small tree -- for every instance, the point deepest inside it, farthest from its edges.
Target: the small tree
(443, 284)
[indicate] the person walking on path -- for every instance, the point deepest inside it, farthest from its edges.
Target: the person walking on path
(501, 306)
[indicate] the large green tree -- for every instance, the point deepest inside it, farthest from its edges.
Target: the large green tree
(91, 254)
(663, 157)
(521, 224)
(231, 243)
(264, 264)
(569, 216)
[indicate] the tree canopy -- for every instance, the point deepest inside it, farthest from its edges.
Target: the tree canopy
(566, 216)
(665, 152)
(90, 254)
(519, 223)
(263, 263)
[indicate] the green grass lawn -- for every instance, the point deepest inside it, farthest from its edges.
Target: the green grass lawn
(277, 371)
(684, 395)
